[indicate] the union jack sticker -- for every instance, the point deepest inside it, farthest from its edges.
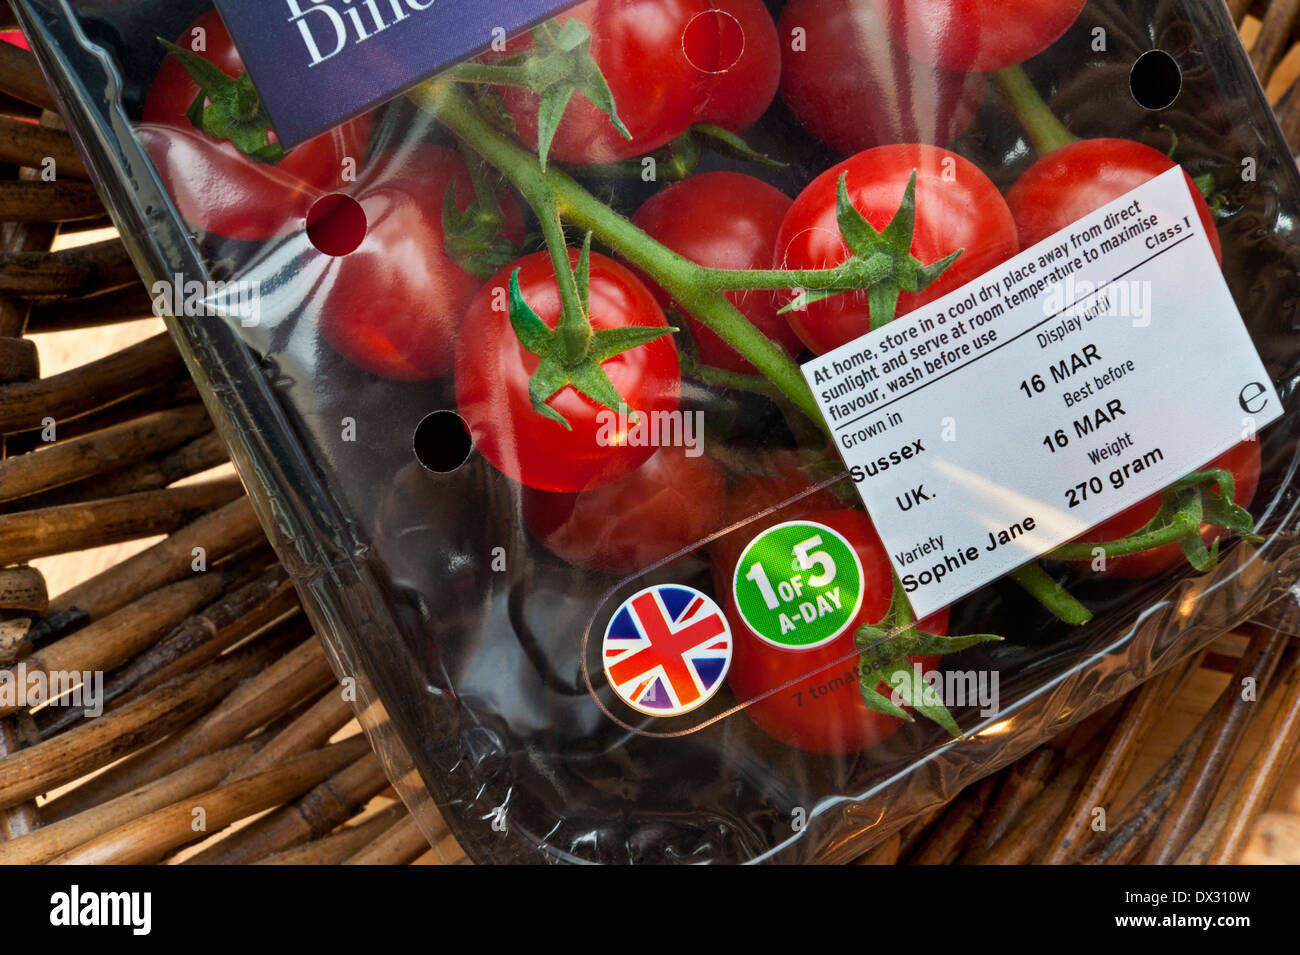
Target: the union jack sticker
(667, 650)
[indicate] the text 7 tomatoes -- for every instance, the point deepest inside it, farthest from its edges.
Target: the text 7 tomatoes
(810, 699)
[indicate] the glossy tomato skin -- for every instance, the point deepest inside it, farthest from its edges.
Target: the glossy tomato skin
(1075, 180)
(393, 306)
(780, 484)
(669, 503)
(977, 35)
(854, 89)
(669, 64)
(1243, 461)
(723, 220)
(741, 38)
(822, 710)
(957, 207)
(493, 370)
(637, 45)
(216, 187)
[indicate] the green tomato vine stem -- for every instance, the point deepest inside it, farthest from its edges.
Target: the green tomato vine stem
(574, 329)
(557, 198)
(1040, 585)
(850, 276)
(1044, 129)
(1139, 543)
(697, 290)
(736, 381)
(1048, 134)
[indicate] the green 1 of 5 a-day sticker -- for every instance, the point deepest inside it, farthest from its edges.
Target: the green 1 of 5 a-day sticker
(798, 585)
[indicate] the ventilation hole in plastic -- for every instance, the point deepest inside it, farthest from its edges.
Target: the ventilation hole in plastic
(1156, 80)
(442, 442)
(336, 224)
(713, 41)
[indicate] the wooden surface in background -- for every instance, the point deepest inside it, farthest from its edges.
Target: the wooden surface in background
(1276, 838)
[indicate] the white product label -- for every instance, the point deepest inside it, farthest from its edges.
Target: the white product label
(1058, 389)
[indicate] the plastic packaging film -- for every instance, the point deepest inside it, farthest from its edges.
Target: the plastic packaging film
(611, 593)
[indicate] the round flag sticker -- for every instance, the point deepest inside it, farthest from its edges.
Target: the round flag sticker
(667, 650)
(799, 585)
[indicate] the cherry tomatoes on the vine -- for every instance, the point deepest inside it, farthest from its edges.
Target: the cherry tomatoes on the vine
(393, 305)
(493, 371)
(672, 501)
(1072, 181)
(822, 710)
(669, 64)
(1243, 461)
(216, 187)
(977, 35)
(957, 207)
(723, 220)
(853, 88)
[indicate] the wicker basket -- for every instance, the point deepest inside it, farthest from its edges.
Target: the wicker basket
(223, 710)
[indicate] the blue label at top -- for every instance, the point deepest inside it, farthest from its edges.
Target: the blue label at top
(318, 63)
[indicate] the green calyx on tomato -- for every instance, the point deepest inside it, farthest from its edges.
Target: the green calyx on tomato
(668, 64)
(1205, 497)
(474, 236)
(572, 353)
(559, 65)
(881, 262)
(228, 108)
(885, 649)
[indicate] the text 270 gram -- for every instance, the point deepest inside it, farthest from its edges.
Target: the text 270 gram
(1084, 489)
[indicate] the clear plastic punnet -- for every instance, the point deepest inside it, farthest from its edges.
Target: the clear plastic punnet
(716, 430)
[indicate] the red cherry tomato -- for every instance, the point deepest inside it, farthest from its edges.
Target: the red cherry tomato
(977, 35)
(493, 371)
(393, 305)
(669, 64)
(957, 207)
(215, 186)
(666, 505)
(746, 65)
(778, 477)
(822, 710)
(1072, 181)
(1243, 461)
(853, 89)
(723, 220)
